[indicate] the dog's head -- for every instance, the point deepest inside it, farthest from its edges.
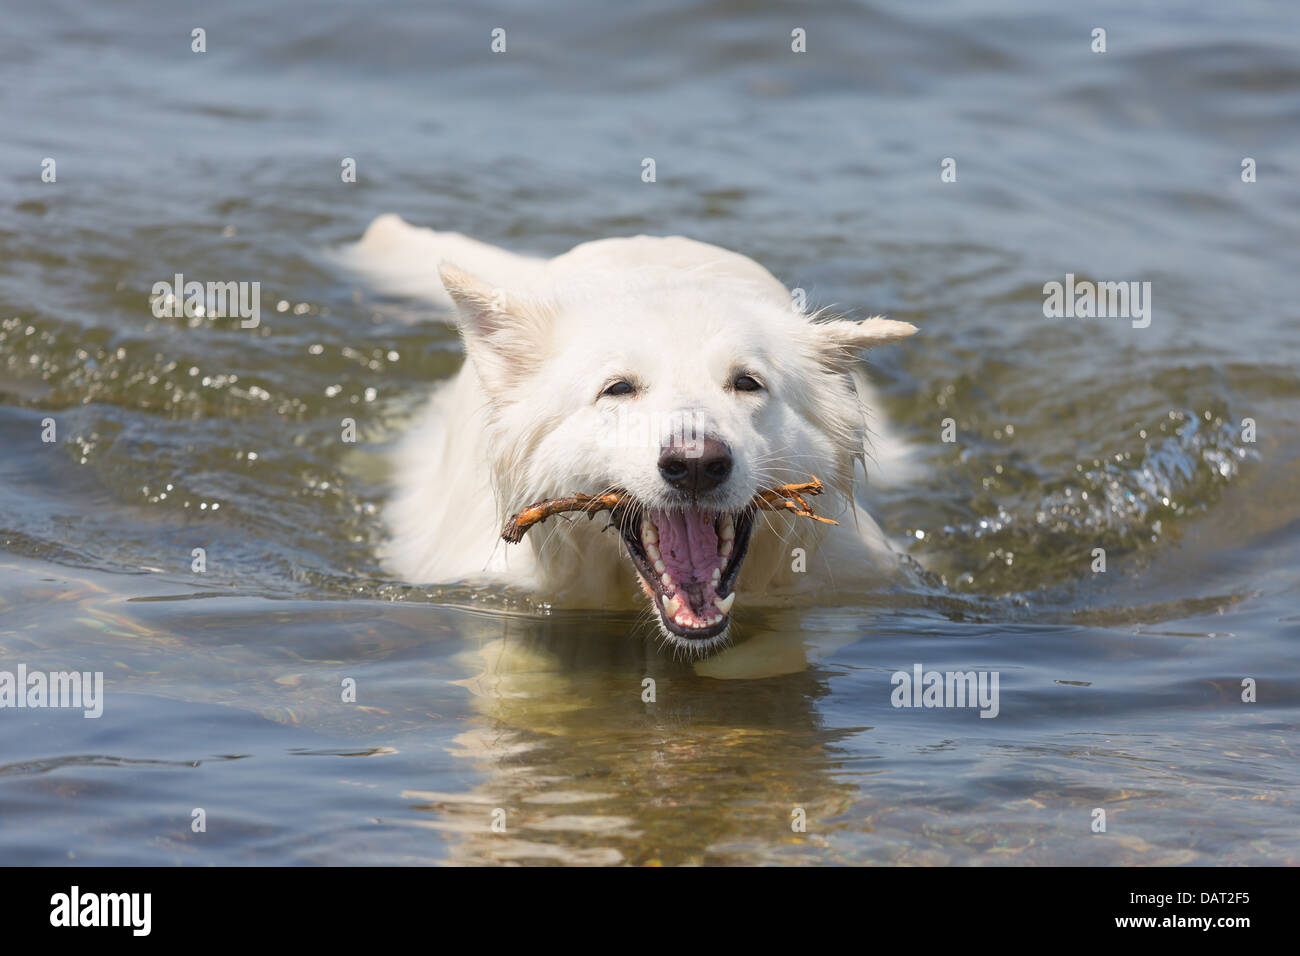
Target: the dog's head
(690, 394)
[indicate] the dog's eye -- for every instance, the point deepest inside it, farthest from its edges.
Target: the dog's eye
(746, 383)
(620, 388)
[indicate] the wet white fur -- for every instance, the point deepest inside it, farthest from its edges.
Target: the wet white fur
(524, 419)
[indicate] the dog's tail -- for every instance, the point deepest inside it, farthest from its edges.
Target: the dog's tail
(400, 259)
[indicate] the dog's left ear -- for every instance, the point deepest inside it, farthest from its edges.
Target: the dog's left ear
(505, 336)
(840, 341)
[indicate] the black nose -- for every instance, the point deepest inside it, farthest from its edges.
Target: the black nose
(698, 465)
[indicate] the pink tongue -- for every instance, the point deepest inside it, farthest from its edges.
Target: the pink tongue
(688, 543)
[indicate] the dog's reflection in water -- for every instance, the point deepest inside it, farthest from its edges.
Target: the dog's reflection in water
(594, 748)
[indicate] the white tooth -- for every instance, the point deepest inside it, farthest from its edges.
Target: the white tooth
(728, 530)
(717, 575)
(671, 605)
(652, 553)
(659, 565)
(725, 550)
(648, 533)
(724, 604)
(666, 579)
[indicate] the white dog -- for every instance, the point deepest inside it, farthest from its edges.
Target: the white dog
(676, 371)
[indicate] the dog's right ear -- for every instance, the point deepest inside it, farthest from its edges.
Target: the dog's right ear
(505, 336)
(840, 342)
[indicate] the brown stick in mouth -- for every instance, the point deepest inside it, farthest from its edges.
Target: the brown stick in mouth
(780, 498)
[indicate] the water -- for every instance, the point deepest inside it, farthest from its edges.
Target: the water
(1120, 691)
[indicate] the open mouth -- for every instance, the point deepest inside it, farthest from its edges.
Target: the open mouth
(688, 560)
